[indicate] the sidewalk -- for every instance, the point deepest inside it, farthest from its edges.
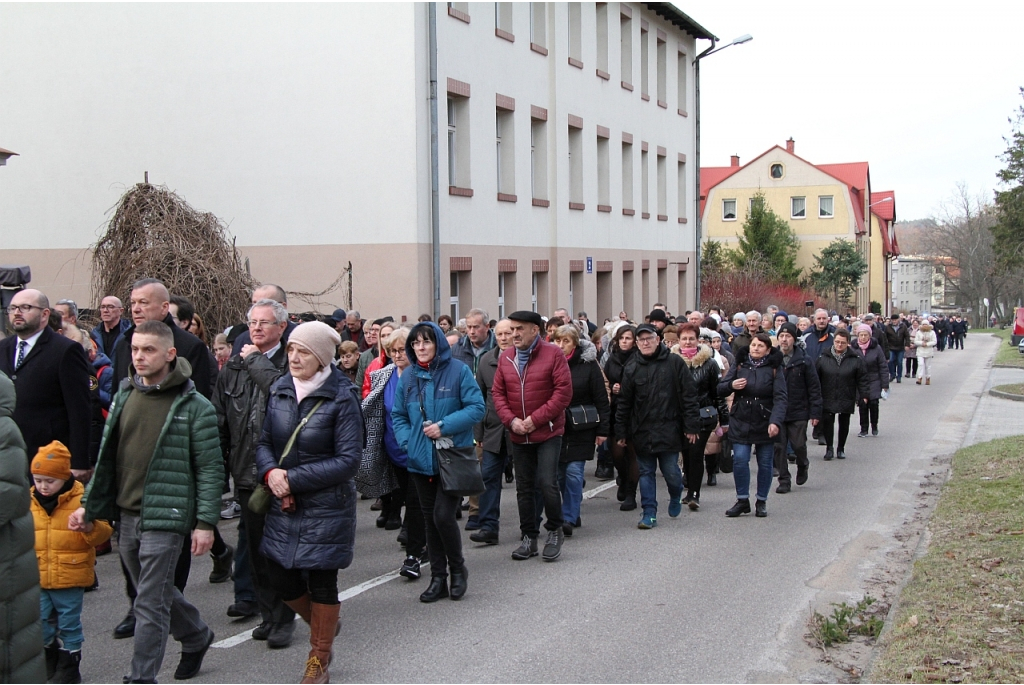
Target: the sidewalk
(996, 417)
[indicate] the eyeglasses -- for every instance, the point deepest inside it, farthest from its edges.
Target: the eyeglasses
(22, 308)
(647, 340)
(262, 324)
(398, 351)
(109, 306)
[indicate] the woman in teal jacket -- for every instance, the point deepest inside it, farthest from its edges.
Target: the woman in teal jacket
(437, 400)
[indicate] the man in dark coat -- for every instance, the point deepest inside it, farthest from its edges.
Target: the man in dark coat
(51, 376)
(656, 411)
(818, 338)
(109, 331)
(897, 336)
(742, 341)
(941, 328)
(957, 332)
(242, 390)
(151, 302)
(268, 291)
(804, 404)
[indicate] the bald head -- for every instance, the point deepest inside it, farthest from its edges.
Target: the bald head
(150, 301)
(28, 312)
(269, 291)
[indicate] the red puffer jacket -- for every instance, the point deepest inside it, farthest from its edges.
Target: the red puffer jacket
(543, 391)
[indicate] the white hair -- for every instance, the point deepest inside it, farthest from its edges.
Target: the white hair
(752, 312)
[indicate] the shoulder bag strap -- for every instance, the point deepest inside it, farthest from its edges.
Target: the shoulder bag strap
(295, 433)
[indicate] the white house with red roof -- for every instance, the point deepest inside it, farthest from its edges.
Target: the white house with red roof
(822, 202)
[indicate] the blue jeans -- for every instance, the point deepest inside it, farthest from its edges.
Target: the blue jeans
(493, 469)
(669, 464)
(570, 484)
(245, 590)
(67, 604)
(741, 469)
(896, 363)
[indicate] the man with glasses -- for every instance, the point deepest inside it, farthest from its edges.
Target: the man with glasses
(109, 331)
(657, 410)
(51, 378)
(240, 399)
(267, 291)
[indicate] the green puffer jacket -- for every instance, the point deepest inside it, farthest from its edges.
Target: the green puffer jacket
(185, 477)
(21, 634)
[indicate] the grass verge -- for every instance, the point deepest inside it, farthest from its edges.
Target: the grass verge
(1012, 388)
(1007, 354)
(961, 615)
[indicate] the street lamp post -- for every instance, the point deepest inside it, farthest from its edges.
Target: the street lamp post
(745, 38)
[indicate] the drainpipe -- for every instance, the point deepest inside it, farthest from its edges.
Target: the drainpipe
(696, 99)
(435, 216)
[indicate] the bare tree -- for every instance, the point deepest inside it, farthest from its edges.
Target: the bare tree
(962, 234)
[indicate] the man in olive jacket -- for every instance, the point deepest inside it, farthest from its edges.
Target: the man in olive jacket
(160, 471)
(21, 634)
(657, 410)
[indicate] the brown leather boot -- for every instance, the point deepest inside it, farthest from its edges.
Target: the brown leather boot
(301, 607)
(322, 629)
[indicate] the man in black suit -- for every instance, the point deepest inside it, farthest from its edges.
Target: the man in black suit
(51, 377)
(151, 302)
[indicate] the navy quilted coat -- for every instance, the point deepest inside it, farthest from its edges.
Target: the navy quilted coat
(321, 468)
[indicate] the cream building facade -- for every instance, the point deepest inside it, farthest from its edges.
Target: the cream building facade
(563, 129)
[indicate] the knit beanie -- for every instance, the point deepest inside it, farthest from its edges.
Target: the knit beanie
(53, 461)
(318, 338)
(789, 328)
(864, 327)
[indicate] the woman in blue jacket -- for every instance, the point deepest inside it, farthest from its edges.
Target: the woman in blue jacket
(437, 399)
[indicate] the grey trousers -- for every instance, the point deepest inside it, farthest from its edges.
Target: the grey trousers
(150, 558)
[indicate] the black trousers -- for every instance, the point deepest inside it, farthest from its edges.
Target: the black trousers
(536, 467)
(413, 522)
(292, 583)
(828, 425)
(693, 462)
(794, 433)
(911, 364)
(868, 412)
(272, 606)
(444, 539)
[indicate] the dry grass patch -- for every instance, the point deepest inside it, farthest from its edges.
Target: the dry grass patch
(961, 616)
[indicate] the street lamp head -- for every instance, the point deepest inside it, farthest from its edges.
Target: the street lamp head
(5, 155)
(884, 200)
(745, 38)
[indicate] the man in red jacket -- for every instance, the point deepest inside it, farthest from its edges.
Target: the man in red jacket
(532, 389)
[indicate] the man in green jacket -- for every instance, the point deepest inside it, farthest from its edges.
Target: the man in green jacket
(160, 471)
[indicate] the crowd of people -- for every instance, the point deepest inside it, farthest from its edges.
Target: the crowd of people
(137, 428)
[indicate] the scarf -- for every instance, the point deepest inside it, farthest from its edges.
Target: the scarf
(689, 352)
(523, 356)
(49, 502)
(304, 388)
(835, 355)
(757, 363)
(864, 346)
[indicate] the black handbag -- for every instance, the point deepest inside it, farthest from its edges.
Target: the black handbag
(460, 471)
(725, 456)
(583, 417)
(708, 418)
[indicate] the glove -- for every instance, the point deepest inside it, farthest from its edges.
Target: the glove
(885, 394)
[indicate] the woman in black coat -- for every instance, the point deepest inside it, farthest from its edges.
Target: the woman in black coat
(843, 381)
(877, 368)
(621, 354)
(758, 410)
(578, 443)
(310, 528)
(705, 371)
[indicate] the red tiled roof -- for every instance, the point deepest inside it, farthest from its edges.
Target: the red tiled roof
(885, 210)
(711, 176)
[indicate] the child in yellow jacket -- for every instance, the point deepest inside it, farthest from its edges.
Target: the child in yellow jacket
(66, 559)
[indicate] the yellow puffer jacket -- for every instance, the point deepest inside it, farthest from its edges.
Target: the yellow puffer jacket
(66, 557)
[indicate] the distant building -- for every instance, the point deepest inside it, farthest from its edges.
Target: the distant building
(565, 140)
(918, 285)
(822, 202)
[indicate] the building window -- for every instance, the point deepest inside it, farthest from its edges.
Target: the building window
(662, 188)
(750, 205)
(776, 170)
(504, 143)
(729, 210)
(798, 207)
(662, 73)
(538, 159)
(575, 34)
(538, 24)
(453, 298)
(645, 187)
(459, 10)
(627, 177)
(575, 167)
(602, 39)
(645, 61)
(681, 180)
(682, 70)
(825, 206)
(503, 20)
(603, 191)
(626, 44)
(533, 292)
(458, 142)
(501, 295)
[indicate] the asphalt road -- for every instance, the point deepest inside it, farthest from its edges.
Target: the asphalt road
(701, 598)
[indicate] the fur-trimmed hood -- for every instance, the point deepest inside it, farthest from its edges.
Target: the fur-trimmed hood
(704, 353)
(926, 327)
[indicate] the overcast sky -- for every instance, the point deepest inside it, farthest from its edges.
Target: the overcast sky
(921, 91)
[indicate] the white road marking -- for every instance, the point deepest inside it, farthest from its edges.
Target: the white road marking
(359, 589)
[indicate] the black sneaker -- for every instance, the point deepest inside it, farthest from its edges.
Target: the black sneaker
(862, 434)
(410, 568)
(281, 635)
(783, 488)
(840, 454)
(874, 431)
(243, 609)
(126, 628)
(742, 506)
(694, 504)
(801, 475)
(262, 631)
(553, 547)
(527, 549)
(829, 454)
(485, 537)
(760, 508)
(191, 662)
